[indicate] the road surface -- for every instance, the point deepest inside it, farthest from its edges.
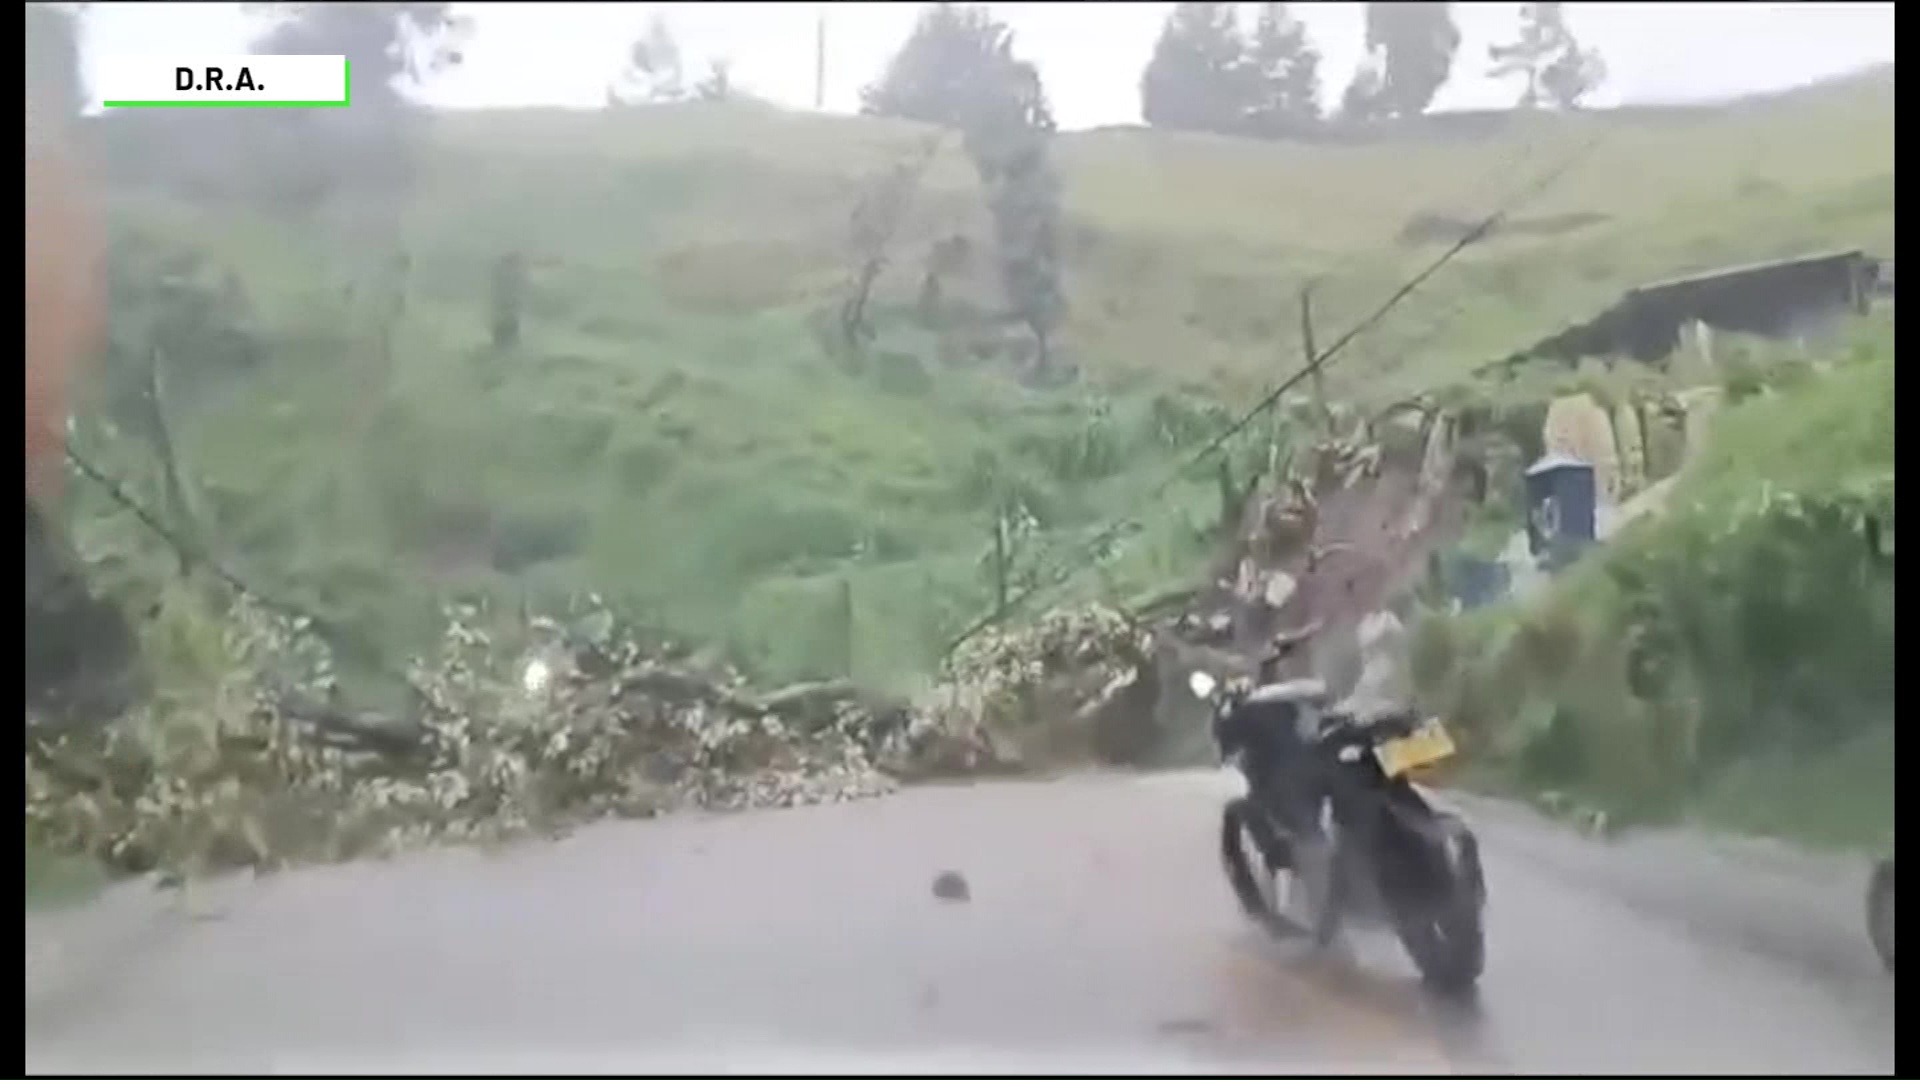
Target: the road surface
(1098, 937)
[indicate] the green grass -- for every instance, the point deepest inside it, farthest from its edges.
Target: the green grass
(1816, 430)
(55, 880)
(1842, 798)
(672, 435)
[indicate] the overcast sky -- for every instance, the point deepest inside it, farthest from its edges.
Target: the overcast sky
(1090, 54)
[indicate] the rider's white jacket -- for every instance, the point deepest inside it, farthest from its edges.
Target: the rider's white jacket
(1386, 681)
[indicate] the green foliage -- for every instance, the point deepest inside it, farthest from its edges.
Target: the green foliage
(57, 880)
(1285, 73)
(670, 435)
(172, 308)
(389, 44)
(950, 67)
(716, 85)
(1024, 199)
(1749, 624)
(653, 73)
(1207, 75)
(1196, 78)
(958, 69)
(237, 765)
(1410, 51)
(1557, 69)
(515, 726)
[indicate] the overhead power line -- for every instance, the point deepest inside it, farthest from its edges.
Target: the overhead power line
(1082, 553)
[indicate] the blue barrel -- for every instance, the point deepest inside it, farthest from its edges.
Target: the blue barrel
(1561, 502)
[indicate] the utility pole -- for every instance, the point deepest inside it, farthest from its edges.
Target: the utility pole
(820, 61)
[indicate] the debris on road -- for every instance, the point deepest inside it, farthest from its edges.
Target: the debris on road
(519, 727)
(949, 885)
(264, 771)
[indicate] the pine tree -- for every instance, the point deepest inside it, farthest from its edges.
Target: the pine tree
(1410, 48)
(958, 69)
(1557, 70)
(1574, 74)
(1284, 73)
(1197, 77)
(956, 53)
(654, 72)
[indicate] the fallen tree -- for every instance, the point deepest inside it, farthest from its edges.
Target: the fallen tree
(571, 722)
(587, 717)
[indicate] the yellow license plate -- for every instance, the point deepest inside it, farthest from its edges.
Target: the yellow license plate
(1425, 745)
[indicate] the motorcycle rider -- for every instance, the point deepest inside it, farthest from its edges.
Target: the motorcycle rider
(1284, 773)
(1383, 688)
(1385, 685)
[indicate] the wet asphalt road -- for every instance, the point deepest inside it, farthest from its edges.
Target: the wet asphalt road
(1099, 937)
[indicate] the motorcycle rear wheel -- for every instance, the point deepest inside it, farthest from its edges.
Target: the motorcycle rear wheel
(1446, 936)
(1880, 912)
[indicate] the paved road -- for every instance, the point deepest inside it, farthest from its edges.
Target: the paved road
(1099, 937)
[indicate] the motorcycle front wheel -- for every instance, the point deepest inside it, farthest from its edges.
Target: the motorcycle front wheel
(1261, 868)
(1236, 829)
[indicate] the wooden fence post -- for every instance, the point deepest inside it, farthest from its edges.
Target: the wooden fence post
(999, 563)
(846, 625)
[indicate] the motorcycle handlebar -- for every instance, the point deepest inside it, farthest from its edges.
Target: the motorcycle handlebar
(1288, 642)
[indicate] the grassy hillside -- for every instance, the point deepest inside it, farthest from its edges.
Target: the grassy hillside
(671, 433)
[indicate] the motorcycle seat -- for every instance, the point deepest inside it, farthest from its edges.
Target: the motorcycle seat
(1292, 691)
(1389, 725)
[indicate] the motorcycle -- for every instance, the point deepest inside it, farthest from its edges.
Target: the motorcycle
(1347, 824)
(1880, 911)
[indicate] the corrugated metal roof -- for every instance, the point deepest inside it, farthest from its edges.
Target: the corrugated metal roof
(1748, 268)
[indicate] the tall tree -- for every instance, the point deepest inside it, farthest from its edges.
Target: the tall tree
(654, 72)
(1009, 142)
(391, 45)
(717, 83)
(1410, 48)
(958, 69)
(1284, 74)
(1363, 98)
(876, 220)
(1197, 79)
(1574, 74)
(1556, 68)
(368, 154)
(955, 54)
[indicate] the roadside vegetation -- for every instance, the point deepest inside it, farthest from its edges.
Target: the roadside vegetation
(798, 397)
(1730, 658)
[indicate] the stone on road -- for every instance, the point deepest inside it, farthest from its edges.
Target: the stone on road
(1097, 936)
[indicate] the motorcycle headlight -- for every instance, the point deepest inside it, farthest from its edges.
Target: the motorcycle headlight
(1202, 685)
(536, 676)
